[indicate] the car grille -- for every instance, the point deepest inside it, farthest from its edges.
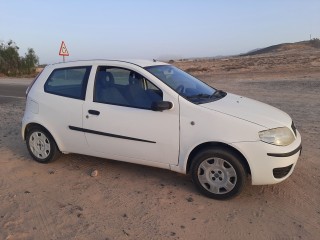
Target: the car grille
(281, 172)
(294, 129)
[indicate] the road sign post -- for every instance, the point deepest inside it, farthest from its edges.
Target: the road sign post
(63, 51)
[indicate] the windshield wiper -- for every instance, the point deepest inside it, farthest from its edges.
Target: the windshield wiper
(219, 94)
(200, 95)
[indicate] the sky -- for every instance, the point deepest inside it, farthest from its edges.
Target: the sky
(150, 29)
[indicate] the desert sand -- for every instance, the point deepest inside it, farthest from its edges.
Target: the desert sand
(61, 200)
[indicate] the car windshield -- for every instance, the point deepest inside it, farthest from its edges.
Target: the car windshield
(186, 85)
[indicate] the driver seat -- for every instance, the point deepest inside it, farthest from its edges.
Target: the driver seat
(106, 91)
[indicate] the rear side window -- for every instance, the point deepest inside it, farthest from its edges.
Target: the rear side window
(68, 82)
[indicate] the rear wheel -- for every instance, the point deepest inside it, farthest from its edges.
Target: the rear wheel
(41, 145)
(218, 173)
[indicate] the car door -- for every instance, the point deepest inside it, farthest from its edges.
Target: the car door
(119, 123)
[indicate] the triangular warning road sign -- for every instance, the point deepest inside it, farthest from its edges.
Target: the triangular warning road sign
(63, 50)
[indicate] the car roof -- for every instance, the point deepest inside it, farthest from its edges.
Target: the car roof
(138, 62)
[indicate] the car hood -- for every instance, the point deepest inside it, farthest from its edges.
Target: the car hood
(250, 110)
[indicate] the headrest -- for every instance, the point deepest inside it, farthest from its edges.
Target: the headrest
(134, 78)
(109, 77)
(104, 78)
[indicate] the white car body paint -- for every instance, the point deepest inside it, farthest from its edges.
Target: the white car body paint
(169, 136)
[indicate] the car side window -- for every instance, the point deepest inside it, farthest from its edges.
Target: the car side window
(120, 86)
(68, 82)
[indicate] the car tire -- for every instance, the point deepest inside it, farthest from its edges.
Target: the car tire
(218, 173)
(41, 145)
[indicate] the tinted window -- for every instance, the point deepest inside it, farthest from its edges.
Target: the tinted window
(121, 76)
(68, 82)
(124, 87)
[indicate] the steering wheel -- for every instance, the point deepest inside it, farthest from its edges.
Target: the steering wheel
(180, 89)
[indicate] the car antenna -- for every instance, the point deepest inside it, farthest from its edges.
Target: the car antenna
(154, 60)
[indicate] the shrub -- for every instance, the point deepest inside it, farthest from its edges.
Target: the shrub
(11, 64)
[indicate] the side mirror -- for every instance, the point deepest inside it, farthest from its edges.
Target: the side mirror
(161, 105)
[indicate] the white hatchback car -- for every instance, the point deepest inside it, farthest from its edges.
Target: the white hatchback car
(152, 113)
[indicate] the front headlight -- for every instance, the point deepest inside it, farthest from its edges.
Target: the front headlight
(282, 136)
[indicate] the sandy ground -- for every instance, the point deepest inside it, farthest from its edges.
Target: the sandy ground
(126, 201)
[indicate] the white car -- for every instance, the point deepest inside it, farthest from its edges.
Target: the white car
(152, 113)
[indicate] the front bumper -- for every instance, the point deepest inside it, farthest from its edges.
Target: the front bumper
(288, 154)
(268, 163)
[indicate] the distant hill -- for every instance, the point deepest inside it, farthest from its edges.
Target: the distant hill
(300, 57)
(287, 47)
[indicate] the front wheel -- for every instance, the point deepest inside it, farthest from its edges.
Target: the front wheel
(218, 173)
(41, 145)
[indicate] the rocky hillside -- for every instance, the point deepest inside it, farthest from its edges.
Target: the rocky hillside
(287, 57)
(303, 46)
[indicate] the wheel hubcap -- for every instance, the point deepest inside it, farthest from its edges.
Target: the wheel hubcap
(217, 175)
(39, 145)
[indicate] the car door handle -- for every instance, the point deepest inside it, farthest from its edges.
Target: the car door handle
(94, 112)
